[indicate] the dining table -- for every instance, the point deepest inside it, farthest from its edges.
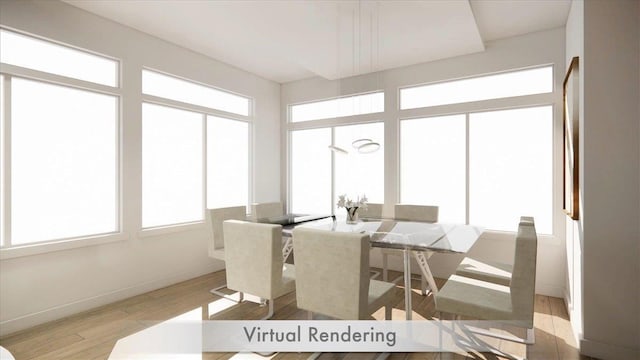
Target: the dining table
(422, 239)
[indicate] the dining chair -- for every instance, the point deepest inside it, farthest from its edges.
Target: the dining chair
(423, 213)
(266, 209)
(512, 304)
(253, 255)
(216, 243)
(373, 211)
(332, 275)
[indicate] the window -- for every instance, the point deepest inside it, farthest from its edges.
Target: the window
(169, 87)
(316, 183)
(172, 174)
(60, 143)
(432, 165)
(509, 166)
(311, 171)
(515, 83)
(29, 52)
(193, 156)
(345, 106)
(227, 162)
(355, 173)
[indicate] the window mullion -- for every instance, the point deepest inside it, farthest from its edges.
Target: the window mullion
(6, 153)
(467, 164)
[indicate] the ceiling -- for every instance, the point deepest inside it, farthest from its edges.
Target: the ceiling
(288, 40)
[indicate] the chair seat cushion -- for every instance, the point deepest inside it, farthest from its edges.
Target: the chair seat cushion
(489, 271)
(380, 294)
(217, 253)
(475, 298)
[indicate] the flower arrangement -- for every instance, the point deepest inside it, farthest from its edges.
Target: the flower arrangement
(352, 206)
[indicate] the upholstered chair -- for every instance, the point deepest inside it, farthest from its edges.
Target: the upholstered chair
(266, 209)
(424, 213)
(332, 275)
(253, 255)
(216, 243)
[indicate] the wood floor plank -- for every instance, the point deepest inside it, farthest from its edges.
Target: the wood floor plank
(92, 334)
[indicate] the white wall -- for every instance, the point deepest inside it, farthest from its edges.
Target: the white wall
(605, 276)
(611, 269)
(574, 234)
(39, 288)
(534, 49)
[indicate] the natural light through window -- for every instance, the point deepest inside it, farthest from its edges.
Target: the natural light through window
(357, 173)
(515, 83)
(161, 85)
(510, 171)
(172, 166)
(29, 52)
(432, 165)
(311, 171)
(346, 106)
(227, 162)
(64, 162)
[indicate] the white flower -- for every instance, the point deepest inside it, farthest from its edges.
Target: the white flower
(345, 202)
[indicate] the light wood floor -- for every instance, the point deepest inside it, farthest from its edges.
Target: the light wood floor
(93, 334)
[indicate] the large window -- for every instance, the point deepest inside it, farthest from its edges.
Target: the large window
(28, 52)
(508, 166)
(60, 143)
(432, 164)
(333, 108)
(172, 174)
(195, 153)
(170, 87)
(317, 180)
(509, 84)
(227, 162)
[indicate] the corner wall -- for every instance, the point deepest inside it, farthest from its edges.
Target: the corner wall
(39, 288)
(604, 278)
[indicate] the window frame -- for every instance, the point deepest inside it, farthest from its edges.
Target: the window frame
(9, 72)
(204, 112)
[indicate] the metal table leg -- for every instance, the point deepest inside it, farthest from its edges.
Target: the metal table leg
(407, 282)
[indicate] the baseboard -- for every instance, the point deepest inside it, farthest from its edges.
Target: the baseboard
(607, 351)
(24, 322)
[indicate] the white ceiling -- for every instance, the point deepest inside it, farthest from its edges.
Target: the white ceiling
(287, 40)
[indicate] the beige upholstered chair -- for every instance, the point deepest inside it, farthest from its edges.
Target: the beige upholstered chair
(373, 211)
(512, 304)
(489, 271)
(266, 209)
(332, 275)
(216, 244)
(253, 254)
(425, 213)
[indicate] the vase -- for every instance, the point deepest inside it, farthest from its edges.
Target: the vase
(352, 215)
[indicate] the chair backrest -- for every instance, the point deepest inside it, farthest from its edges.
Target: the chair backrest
(523, 277)
(217, 217)
(332, 272)
(253, 257)
(266, 209)
(426, 213)
(373, 211)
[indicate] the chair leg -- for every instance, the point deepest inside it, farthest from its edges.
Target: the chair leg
(216, 291)
(385, 275)
(423, 285)
(387, 312)
(270, 313)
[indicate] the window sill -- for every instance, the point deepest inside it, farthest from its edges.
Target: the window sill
(43, 248)
(170, 229)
